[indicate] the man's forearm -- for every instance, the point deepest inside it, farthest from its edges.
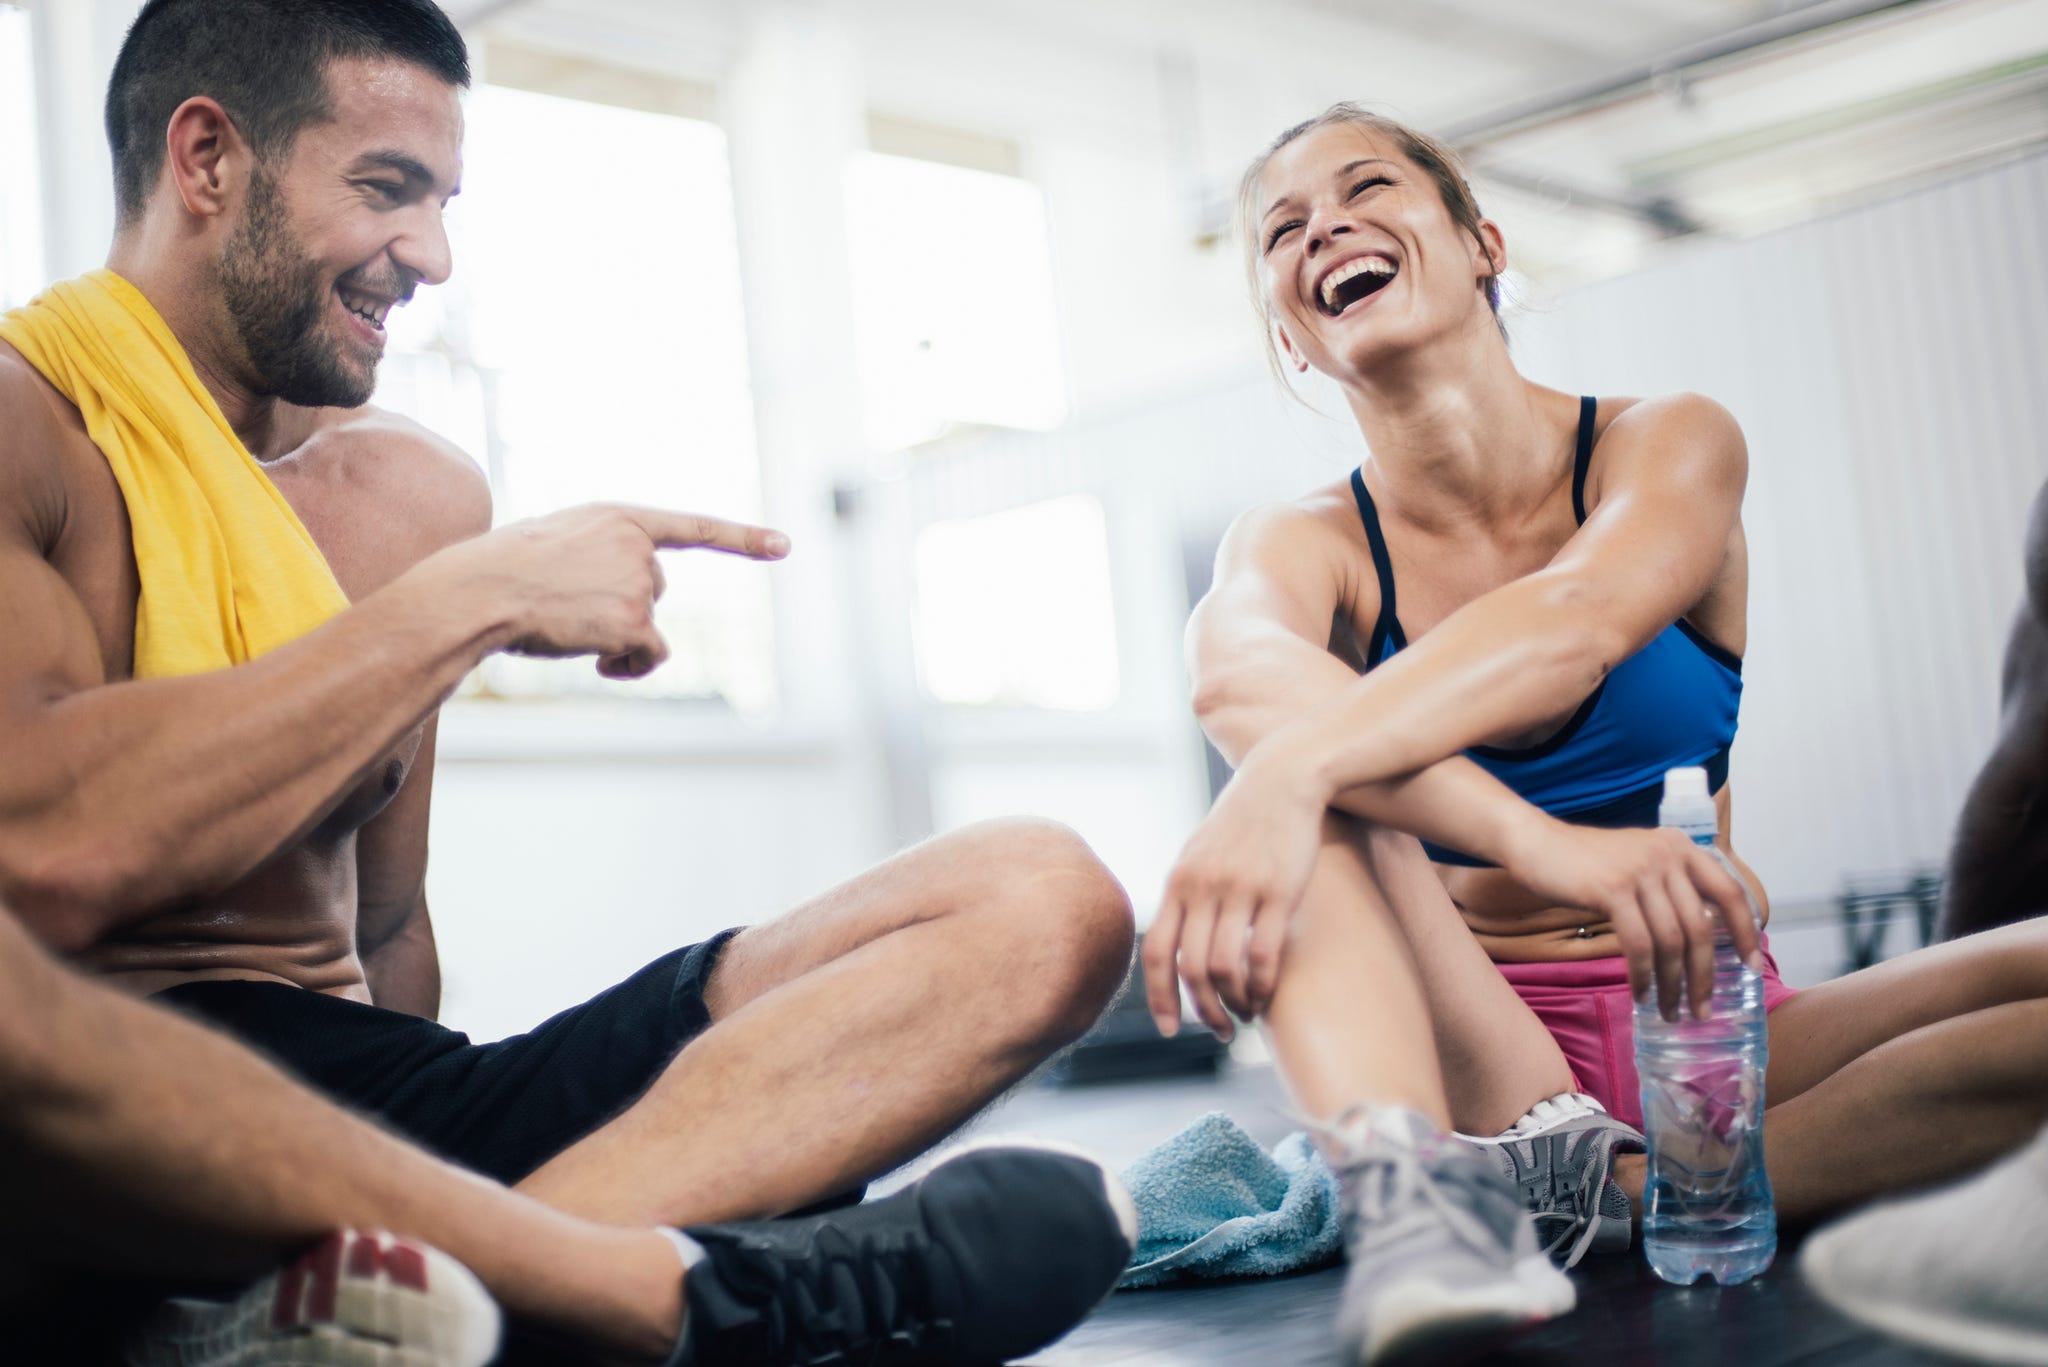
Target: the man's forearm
(131, 795)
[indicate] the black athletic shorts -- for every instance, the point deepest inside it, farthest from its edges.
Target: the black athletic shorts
(500, 1109)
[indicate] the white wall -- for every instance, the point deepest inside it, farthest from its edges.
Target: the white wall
(572, 846)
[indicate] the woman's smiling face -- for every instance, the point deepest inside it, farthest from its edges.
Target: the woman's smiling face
(1359, 258)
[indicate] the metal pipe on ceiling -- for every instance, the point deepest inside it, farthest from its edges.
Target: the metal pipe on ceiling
(1645, 77)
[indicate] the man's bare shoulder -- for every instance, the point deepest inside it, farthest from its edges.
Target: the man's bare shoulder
(427, 476)
(380, 493)
(32, 439)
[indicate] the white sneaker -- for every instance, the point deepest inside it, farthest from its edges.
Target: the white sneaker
(356, 1300)
(1960, 1268)
(1441, 1250)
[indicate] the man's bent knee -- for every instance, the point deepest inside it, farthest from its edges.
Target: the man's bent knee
(1068, 921)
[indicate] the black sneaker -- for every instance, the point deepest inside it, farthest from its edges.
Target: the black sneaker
(993, 1254)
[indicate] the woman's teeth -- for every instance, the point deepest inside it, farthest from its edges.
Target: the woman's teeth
(1351, 270)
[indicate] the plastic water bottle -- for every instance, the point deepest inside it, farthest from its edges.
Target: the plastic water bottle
(1707, 1208)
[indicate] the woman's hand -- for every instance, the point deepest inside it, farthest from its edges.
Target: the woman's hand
(1664, 896)
(1232, 892)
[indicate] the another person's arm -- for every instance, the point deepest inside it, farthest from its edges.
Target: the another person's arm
(1998, 863)
(134, 1141)
(116, 798)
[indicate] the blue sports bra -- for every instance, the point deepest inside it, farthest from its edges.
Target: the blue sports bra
(1672, 703)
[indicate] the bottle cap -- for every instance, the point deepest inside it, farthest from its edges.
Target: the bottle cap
(1688, 806)
(1686, 785)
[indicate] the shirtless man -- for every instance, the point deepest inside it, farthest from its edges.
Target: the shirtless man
(1998, 866)
(1959, 1267)
(249, 844)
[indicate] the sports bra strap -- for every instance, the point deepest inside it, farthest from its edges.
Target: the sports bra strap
(1388, 625)
(1584, 460)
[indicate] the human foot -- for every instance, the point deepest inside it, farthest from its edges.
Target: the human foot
(1561, 1157)
(994, 1253)
(1440, 1247)
(355, 1300)
(1957, 1268)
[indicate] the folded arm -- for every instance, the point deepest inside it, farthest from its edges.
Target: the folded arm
(1275, 701)
(1671, 476)
(1258, 655)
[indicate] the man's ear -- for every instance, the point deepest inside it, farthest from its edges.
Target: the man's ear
(205, 156)
(1289, 350)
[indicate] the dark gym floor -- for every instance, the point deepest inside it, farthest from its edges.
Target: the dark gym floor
(1625, 1315)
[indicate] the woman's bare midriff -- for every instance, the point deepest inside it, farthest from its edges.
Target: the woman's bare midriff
(1514, 926)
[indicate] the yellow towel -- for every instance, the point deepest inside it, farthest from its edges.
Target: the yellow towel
(228, 571)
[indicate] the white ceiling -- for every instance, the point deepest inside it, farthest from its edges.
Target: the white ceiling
(1884, 96)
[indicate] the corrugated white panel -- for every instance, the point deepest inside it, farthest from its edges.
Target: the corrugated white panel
(1888, 367)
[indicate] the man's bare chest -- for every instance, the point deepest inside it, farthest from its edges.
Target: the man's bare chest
(94, 553)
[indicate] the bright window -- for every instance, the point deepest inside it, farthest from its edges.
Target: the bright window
(953, 302)
(592, 346)
(21, 205)
(1013, 608)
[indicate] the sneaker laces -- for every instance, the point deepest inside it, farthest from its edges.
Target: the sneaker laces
(873, 1290)
(1579, 1208)
(1584, 1215)
(1406, 1178)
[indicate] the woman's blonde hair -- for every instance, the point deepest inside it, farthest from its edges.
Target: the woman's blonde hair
(1440, 163)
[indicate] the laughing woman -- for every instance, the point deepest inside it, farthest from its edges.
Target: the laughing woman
(1570, 621)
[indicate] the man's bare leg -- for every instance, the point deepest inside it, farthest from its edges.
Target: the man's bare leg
(1916, 1069)
(1384, 995)
(139, 1142)
(860, 1029)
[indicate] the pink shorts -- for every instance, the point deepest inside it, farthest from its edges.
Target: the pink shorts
(1587, 1008)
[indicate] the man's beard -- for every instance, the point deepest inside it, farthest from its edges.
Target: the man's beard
(274, 296)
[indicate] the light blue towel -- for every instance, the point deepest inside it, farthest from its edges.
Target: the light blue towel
(1212, 1203)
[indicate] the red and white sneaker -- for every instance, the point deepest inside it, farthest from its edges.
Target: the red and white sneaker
(357, 1300)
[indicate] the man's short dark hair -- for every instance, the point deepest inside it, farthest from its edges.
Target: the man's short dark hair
(264, 60)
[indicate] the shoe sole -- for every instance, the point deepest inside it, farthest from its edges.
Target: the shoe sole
(355, 1300)
(1947, 1333)
(1434, 1320)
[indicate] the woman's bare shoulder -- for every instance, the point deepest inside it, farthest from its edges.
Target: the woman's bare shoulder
(1323, 520)
(1682, 438)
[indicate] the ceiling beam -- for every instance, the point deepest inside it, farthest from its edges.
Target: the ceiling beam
(1641, 78)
